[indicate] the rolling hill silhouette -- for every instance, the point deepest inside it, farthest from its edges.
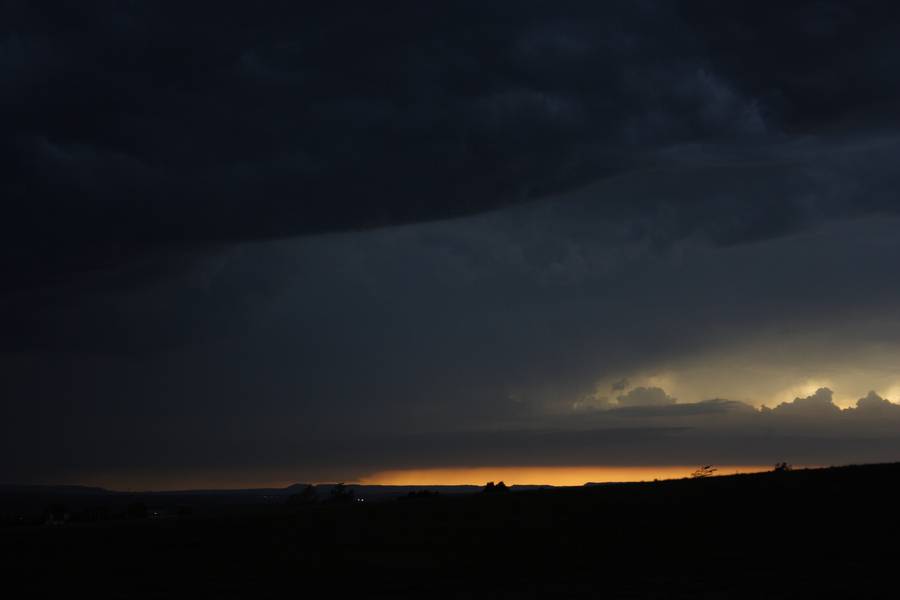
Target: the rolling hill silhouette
(801, 533)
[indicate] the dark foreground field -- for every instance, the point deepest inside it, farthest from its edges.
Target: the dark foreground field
(808, 533)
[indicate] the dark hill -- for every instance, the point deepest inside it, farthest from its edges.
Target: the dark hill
(805, 533)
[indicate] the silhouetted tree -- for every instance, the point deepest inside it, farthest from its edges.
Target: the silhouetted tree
(782, 467)
(340, 494)
(492, 488)
(305, 498)
(704, 471)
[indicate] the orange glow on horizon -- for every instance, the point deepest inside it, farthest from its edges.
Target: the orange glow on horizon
(137, 480)
(556, 476)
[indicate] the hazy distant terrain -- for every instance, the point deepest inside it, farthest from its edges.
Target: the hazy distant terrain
(28, 503)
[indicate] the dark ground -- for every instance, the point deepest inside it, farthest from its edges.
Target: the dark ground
(804, 533)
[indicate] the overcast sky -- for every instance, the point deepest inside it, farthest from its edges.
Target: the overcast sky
(319, 244)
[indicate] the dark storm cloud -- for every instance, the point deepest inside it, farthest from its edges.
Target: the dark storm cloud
(458, 343)
(724, 431)
(819, 404)
(719, 431)
(645, 396)
(873, 404)
(671, 409)
(619, 386)
(150, 150)
(135, 124)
